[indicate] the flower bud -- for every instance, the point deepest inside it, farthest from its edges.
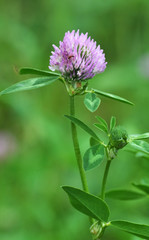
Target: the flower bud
(118, 138)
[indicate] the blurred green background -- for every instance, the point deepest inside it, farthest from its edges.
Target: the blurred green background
(36, 154)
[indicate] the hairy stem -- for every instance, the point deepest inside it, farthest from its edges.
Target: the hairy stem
(78, 152)
(104, 181)
(76, 147)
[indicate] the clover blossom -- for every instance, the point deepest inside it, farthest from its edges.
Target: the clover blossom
(78, 57)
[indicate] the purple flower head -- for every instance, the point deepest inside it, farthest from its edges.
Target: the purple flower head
(78, 57)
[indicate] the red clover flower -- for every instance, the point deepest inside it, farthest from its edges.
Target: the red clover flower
(78, 57)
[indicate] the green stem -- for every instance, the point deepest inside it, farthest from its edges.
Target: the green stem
(78, 152)
(104, 181)
(77, 148)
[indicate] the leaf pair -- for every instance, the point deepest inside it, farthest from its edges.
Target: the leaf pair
(91, 101)
(33, 83)
(103, 126)
(95, 207)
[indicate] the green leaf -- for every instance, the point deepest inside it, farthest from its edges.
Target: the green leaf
(35, 71)
(87, 203)
(121, 194)
(142, 155)
(139, 146)
(101, 127)
(139, 230)
(93, 141)
(93, 157)
(83, 126)
(115, 97)
(112, 123)
(138, 136)
(102, 122)
(91, 102)
(142, 186)
(30, 84)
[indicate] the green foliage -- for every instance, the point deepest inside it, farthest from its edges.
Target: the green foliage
(91, 102)
(102, 125)
(121, 194)
(112, 123)
(36, 71)
(112, 96)
(30, 206)
(139, 146)
(83, 126)
(102, 121)
(93, 141)
(87, 203)
(139, 230)
(93, 157)
(138, 136)
(30, 84)
(142, 186)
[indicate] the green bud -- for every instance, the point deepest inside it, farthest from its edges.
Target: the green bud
(118, 138)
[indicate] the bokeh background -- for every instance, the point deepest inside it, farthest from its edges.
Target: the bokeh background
(36, 154)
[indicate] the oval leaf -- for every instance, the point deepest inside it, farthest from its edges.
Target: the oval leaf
(91, 102)
(112, 123)
(83, 126)
(93, 157)
(139, 136)
(115, 97)
(87, 203)
(30, 84)
(139, 146)
(143, 187)
(101, 127)
(139, 230)
(121, 194)
(36, 71)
